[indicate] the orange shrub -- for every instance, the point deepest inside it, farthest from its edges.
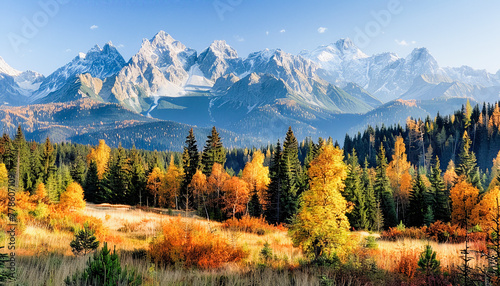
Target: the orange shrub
(393, 233)
(407, 264)
(192, 246)
(251, 225)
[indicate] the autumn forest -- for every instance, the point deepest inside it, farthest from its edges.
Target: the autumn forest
(306, 212)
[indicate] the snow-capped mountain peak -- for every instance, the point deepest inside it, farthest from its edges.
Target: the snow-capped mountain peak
(8, 70)
(222, 50)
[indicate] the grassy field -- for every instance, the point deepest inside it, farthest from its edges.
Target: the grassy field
(45, 258)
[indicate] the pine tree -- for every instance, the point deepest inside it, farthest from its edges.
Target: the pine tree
(466, 167)
(48, 160)
(419, 202)
(104, 269)
(273, 209)
(94, 192)
(137, 178)
(118, 179)
(441, 208)
(213, 152)
(353, 192)
(371, 199)
(428, 263)
(84, 241)
(190, 162)
(383, 190)
(20, 157)
(291, 174)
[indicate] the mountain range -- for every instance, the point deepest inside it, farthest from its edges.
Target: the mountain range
(328, 91)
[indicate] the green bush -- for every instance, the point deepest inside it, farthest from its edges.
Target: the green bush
(104, 269)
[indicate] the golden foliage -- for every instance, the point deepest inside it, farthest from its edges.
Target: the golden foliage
(198, 187)
(100, 156)
(172, 185)
(4, 176)
(450, 176)
(154, 183)
(257, 176)
(486, 211)
(321, 226)
(72, 198)
(464, 198)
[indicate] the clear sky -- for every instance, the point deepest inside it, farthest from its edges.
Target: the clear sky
(44, 35)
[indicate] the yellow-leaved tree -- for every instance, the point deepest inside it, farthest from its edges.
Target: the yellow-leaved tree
(321, 226)
(198, 187)
(257, 177)
(172, 189)
(100, 156)
(485, 212)
(72, 198)
(464, 198)
(398, 173)
(154, 183)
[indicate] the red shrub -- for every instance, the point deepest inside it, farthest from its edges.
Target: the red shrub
(192, 246)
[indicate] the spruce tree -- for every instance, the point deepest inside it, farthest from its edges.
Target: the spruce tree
(273, 209)
(93, 189)
(118, 179)
(20, 156)
(353, 193)
(291, 175)
(370, 198)
(383, 190)
(190, 161)
(466, 167)
(419, 203)
(137, 178)
(441, 205)
(213, 152)
(48, 160)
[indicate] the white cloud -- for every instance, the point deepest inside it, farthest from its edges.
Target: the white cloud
(413, 42)
(68, 50)
(282, 31)
(401, 43)
(93, 27)
(321, 30)
(120, 46)
(267, 33)
(239, 39)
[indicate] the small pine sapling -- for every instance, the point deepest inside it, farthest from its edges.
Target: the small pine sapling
(84, 241)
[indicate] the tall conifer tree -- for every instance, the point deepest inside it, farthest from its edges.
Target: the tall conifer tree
(213, 152)
(383, 190)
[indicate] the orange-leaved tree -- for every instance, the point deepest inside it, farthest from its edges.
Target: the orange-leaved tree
(72, 198)
(464, 198)
(257, 177)
(215, 183)
(321, 226)
(236, 196)
(100, 156)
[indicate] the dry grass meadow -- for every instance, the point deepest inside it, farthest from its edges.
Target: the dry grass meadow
(45, 258)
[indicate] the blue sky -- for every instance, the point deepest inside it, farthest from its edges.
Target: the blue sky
(44, 35)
